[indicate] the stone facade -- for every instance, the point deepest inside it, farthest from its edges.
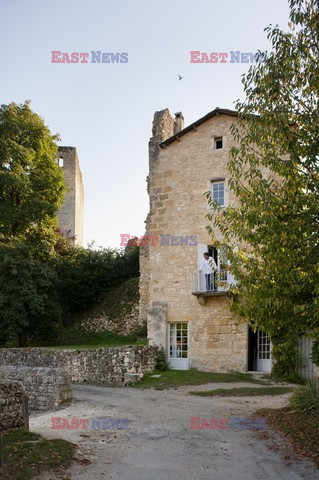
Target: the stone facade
(46, 387)
(13, 406)
(70, 216)
(107, 366)
(180, 172)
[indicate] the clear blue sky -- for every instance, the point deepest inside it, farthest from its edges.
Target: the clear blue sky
(106, 110)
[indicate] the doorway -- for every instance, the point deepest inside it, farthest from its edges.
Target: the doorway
(259, 351)
(178, 345)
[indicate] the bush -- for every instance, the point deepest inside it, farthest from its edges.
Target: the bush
(38, 293)
(140, 332)
(161, 363)
(306, 399)
(85, 274)
(285, 352)
(29, 304)
(315, 352)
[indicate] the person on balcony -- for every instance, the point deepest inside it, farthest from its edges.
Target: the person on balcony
(209, 266)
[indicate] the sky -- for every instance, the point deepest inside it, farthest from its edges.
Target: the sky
(106, 110)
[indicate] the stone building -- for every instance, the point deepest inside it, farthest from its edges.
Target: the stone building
(188, 318)
(70, 216)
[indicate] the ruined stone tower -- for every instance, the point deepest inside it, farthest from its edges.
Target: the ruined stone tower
(70, 216)
(163, 128)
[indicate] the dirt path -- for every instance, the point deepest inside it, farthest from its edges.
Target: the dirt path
(159, 444)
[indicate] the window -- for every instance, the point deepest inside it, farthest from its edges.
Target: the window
(212, 252)
(61, 162)
(223, 264)
(221, 261)
(218, 143)
(218, 193)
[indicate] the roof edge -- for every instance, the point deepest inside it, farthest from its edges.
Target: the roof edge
(217, 111)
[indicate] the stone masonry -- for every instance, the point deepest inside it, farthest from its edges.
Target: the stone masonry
(70, 216)
(47, 388)
(108, 366)
(180, 172)
(99, 322)
(13, 406)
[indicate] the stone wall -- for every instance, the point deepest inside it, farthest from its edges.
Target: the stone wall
(13, 406)
(116, 311)
(218, 339)
(108, 366)
(100, 322)
(46, 387)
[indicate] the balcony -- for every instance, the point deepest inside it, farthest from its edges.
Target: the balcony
(216, 285)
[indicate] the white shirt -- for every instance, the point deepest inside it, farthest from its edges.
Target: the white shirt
(208, 265)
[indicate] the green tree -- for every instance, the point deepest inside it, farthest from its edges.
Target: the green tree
(31, 192)
(31, 182)
(29, 303)
(271, 236)
(86, 273)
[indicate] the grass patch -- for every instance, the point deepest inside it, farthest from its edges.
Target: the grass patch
(244, 392)
(177, 378)
(306, 399)
(73, 337)
(27, 454)
(300, 429)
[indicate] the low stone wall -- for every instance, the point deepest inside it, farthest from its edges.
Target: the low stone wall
(46, 387)
(13, 406)
(108, 366)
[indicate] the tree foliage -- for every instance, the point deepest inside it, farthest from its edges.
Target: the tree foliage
(29, 303)
(271, 234)
(37, 295)
(43, 278)
(85, 273)
(31, 191)
(31, 182)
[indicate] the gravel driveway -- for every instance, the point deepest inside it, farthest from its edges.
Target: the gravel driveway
(159, 444)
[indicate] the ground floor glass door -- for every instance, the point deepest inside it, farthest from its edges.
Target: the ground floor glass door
(263, 352)
(178, 345)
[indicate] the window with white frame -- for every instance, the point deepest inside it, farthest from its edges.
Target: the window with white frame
(218, 192)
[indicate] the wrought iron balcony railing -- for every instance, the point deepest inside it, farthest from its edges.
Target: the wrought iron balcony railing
(218, 281)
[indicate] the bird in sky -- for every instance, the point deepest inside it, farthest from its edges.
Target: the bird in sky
(180, 77)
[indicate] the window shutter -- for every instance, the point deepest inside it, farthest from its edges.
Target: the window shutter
(201, 250)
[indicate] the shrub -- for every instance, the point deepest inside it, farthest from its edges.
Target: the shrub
(140, 331)
(29, 305)
(85, 274)
(161, 363)
(315, 352)
(285, 353)
(306, 399)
